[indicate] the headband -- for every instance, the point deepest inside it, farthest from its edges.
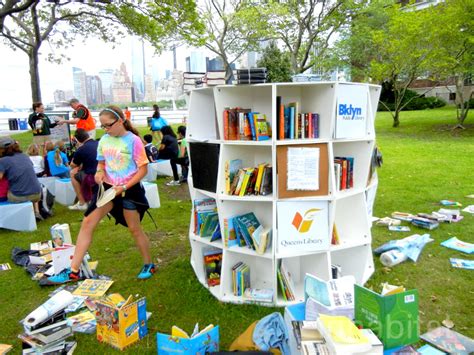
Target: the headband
(113, 111)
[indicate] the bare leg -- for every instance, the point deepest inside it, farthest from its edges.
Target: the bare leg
(141, 240)
(84, 238)
(77, 186)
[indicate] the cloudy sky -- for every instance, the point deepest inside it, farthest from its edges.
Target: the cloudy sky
(14, 71)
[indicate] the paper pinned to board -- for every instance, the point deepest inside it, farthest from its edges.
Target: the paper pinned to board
(303, 169)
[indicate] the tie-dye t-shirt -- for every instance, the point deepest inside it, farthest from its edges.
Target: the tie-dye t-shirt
(122, 155)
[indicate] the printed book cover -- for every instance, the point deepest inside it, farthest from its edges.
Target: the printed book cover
(212, 267)
(449, 341)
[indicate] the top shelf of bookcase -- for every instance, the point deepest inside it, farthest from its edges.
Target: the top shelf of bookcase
(345, 110)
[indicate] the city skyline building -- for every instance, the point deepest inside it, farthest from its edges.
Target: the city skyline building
(196, 62)
(79, 83)
(106, 76)
(121, 86)
(150, 91)
(138, 69)
(94, 90)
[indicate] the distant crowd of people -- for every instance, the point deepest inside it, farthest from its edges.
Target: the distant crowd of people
(117, 161)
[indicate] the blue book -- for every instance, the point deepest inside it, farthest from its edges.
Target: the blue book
(292, 122)
(252, 120)
(287, 122)
(456, 244)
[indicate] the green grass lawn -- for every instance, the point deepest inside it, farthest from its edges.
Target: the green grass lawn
(424, 162)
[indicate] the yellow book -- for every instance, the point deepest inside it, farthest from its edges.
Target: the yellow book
(342, 330)
(227, 177)
(258, 182)
(388, 290)
(178, 332)
(245, 182)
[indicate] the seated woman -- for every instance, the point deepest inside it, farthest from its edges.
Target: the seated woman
(36, 159)
(16, 167)
(57, 161)
(168, 148)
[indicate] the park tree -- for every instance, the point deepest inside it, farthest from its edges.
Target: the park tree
(453, 31)
(232, 28)
(10, 7)
(308, 28)
(387, 43)
(277, 63)
(60, 23)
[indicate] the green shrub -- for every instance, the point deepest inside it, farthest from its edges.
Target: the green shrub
(418, 103)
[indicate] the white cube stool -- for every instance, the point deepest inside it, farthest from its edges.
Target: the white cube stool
(163, 168)
(17, 216)
(151, 194)
(65, 193)
(49, 182)
(151, 173)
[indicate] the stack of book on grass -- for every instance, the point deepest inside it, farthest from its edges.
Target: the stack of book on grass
(206, 219)
(453, 216)
(342, 336)
(285, 280)
(190, 79)
(246, 230)
(240, 278)
(308, 338)
(333, 297)
(250, 76)
(293, 124)
(46, 328)
(246, 125)
(241, 181)
(402, 216)
(424, 223)
(344, 172)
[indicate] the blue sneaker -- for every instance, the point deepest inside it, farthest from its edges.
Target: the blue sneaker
(146, 272)
(64, 276)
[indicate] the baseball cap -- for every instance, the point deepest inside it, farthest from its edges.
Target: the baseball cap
(6, 141)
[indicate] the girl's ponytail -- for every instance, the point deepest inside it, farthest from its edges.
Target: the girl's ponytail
(57, 157)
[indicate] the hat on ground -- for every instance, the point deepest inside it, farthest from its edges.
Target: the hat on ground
(6, 141)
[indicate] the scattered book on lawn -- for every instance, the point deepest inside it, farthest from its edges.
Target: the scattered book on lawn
(469, 209)
(180, 342)
(449, 341)
(462, 263)
(5, 267)
(425, 350)
(93, 288)
(459, 245)
(399, 228)
(83, 322)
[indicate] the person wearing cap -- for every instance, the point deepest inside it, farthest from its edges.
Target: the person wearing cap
(81, 117)
(17, 168)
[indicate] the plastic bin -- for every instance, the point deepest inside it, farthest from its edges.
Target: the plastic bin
(22, 124)
(12, 124)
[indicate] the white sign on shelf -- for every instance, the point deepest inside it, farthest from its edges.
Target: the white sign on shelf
(303, 226)
(351, 111)
(303, 169)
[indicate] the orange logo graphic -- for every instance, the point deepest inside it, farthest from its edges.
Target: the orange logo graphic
(303, 223)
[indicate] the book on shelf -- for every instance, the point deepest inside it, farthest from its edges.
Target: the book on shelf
(248, 181)
(259, 294)
(287, 285)
(335, 240)
(212, 259)
(217, 232)
(261, 238)
(261, 127)
(230, 237)
(240, 278)
(246, 225)
(209, 224)
(204, 205)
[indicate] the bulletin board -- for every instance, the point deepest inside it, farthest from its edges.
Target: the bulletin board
(282, 171)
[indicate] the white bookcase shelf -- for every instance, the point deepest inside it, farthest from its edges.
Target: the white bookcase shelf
(302, 221)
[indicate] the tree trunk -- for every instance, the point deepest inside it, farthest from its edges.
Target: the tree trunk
(34, 75)
(462, 105)
(228, 70)
(396, 118)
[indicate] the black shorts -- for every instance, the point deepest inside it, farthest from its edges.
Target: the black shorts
(133, 199)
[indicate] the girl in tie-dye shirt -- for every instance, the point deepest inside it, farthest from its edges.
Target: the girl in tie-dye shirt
(122, 163)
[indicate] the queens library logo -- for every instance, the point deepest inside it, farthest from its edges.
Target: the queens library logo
(303, 223)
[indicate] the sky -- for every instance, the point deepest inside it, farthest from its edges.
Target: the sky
(91, 57)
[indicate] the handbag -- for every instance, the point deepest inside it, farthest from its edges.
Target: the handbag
(158, 123)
